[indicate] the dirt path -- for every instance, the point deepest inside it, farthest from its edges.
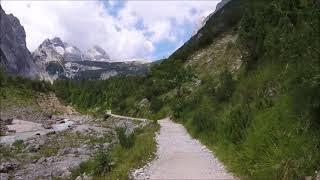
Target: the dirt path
(181, 157)
(126, 117)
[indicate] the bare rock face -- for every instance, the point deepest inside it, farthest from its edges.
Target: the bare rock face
(56, 50)
(204, 20)
(14, 55)
(226, 16)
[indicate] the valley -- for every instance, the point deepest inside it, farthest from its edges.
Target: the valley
(238, 100)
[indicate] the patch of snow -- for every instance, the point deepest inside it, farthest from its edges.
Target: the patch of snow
(59, 50)
(68, 65)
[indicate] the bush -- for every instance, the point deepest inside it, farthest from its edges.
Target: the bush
(225, 87)
(156, 104)
(203, 119)
(236, 124)
(126, 141)
(100, 164)
(3, 77)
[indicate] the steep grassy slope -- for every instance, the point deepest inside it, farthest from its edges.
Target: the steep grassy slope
(18, 97)
(263, 120)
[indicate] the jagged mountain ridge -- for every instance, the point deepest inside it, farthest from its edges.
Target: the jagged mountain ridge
(62, 60)
(204, 19)
(55, 49)
(227, 14)
(55, 59)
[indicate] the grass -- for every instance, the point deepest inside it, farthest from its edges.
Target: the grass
(120, 160)
(12, 96)
(10, 152)
(68, 139)
(260, 133)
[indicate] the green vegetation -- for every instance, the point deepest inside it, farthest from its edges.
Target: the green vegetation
(99, 164)
(125, 95)
(262, 120)
(125, 140)
(264, 124)
(122, 158)
(98, 96)
(19, 91)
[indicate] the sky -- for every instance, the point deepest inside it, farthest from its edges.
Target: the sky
(125, 29)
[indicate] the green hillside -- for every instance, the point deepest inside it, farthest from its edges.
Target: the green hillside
(251, 94)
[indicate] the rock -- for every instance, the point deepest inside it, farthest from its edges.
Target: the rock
(106, 145)
(106, 116)
(49, 116)
(52, 132)
(3, 129)
(33, 148)
(66, 175)
(41, 160)
(84, 177)
(64, 151)
(317, 175)
(308, 178)
(4, 176)
(72, 155)
(12, 131)
(47, 126)
(68, 150)
(15, 56)
(8, 166)
(8, 121)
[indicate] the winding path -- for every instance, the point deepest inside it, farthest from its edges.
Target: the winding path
(181, 157)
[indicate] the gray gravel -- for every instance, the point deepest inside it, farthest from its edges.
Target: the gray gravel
(181, 157)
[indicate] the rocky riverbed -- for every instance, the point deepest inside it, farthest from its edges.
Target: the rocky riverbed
(56, 141)
(33, 151)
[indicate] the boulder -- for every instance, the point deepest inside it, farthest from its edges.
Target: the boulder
(4, 176)
(8, 167)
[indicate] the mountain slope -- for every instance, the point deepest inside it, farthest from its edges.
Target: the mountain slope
(223, 19)
(15, 57)
(247, 85)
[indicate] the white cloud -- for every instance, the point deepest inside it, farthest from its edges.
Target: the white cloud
(86, 23)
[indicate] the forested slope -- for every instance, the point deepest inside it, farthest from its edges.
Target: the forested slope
(252, 94)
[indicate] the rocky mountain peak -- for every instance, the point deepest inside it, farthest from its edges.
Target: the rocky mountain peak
(57, 50)
(56, 41)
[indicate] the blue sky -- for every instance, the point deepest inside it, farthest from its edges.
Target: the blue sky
(125, 29)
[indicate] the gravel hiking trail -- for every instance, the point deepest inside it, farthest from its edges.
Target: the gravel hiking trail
(179, 156)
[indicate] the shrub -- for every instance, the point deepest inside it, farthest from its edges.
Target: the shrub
(156, 104)
(236, 124)
(100, 164)
(225, 87)
(126, 141)
(203, 119)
